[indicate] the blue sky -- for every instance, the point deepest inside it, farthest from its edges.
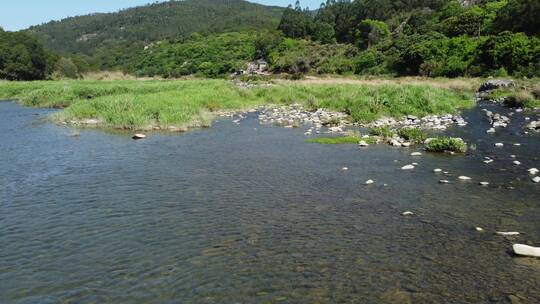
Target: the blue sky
(20, 14)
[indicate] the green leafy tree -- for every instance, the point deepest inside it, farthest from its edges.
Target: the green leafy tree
(370, 32)
(22, 57)
(519, 16)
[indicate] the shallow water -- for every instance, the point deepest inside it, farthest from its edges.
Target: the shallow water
(253, 214)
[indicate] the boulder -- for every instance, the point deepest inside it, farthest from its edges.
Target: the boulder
(495, 84)
(533, 171)
(536, 179)
(526, 250)
(369, 182)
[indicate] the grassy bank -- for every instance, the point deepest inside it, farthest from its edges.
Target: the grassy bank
(132, 104)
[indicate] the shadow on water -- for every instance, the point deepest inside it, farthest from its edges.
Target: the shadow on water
(252, 214)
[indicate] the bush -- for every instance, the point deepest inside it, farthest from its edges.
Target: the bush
(443, 144)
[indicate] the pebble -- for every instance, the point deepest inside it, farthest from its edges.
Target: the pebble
(499, 144)
(416, 154)
(369, 182)
(484, 183)
(406, 213)
(536, 179)
(444, 181)
(491, 130)
(464, 178)
(407, 167)
(344, 168)
(533, 171)
(517, 162)
(437, 170)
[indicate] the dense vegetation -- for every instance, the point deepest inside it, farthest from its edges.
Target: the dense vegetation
(428, 37)
(216, 38)
(183, 103)
(108, 41)
(22, 57)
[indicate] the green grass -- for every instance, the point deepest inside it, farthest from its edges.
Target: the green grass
(413, 135)
(384, 131)
(443, 144)
(133, 104)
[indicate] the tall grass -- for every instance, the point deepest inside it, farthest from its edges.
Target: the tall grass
(132, 104)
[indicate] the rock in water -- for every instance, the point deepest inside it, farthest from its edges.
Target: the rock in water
(407, 167)
(407, 213)
(484, 184)
(492, 130)
(499, 144)
(444, 181)
(437, 170)
(344, 168)
(508, 233)
(362, 143)
(536, 179)
(369, 182)
(139, 136)
(533, 171)
(526, 250)
(479, 229)
(464, 178)
(416, 154)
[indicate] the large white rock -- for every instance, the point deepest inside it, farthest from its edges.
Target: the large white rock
(536, 179)
(369, 182)
(407, 167)
(526, 250)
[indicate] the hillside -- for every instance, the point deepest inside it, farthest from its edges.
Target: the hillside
(154, 22)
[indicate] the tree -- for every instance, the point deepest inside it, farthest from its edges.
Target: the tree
(369, 32)
(519, 16)
(22, 57)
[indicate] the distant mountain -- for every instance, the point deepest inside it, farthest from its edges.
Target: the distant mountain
(154, 22)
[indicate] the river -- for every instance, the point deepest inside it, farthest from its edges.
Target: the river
(253, 214)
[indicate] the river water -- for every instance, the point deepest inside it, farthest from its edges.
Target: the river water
(253, 214)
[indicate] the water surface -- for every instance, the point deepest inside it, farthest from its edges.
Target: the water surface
(253, 214)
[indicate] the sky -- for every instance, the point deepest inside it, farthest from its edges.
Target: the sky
(20, 14)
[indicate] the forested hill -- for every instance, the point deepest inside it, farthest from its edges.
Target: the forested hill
(154, 22)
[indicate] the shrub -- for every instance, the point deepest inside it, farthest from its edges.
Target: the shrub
(442, 144)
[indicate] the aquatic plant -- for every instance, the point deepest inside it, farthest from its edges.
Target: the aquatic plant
(443, 144)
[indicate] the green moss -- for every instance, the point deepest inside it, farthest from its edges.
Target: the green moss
(442, 144)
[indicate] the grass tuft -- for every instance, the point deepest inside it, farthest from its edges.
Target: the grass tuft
(413, 135)
(443, 144)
